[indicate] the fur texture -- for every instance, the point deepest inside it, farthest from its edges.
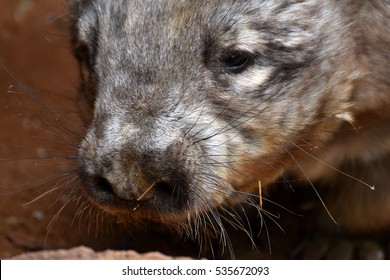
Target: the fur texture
(191, 103)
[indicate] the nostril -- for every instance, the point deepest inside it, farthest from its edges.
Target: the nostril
(170, 195)
(102, 185)
(164, 190)
(164, 195)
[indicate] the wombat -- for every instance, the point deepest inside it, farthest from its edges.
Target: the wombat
(193, 107)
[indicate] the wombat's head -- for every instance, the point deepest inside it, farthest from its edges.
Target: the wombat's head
(190, 103)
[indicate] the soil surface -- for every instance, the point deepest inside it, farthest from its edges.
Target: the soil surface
(40, 128)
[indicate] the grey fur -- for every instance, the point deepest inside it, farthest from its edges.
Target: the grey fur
(166, 109)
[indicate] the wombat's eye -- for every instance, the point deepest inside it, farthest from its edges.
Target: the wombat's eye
(235, 62)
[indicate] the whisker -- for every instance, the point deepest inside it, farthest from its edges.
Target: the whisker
(313, 187)
(334, 168)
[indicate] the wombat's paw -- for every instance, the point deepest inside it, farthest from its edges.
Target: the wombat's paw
(336, 248)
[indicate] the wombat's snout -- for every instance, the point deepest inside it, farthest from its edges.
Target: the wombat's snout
(135, 171)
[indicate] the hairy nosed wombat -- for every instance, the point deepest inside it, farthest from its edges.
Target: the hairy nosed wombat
(192, 104)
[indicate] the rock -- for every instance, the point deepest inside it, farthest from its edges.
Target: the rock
(85, 253)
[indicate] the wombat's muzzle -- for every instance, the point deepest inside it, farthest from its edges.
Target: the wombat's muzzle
(140, 173)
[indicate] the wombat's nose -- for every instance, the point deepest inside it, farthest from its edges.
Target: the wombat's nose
(159, 190)
(150, 168)
(152, 176)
